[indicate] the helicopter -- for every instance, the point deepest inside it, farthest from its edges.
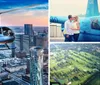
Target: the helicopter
(6, 36)
(89, 25)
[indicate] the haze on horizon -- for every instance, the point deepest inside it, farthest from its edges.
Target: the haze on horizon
(66, 7)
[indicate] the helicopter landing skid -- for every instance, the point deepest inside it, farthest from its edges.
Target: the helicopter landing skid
(7, 46)
(4, 46)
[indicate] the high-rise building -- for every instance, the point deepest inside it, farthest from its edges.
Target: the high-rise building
(36, 66)
(28, 29)
(42, 40)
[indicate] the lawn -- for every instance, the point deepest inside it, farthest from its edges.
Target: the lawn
(95, 80)
(74, 66)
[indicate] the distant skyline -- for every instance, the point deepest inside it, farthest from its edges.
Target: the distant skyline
(66, 7)
(38, 16)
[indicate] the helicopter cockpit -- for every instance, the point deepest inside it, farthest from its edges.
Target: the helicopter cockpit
(6, 31)
(6, 35)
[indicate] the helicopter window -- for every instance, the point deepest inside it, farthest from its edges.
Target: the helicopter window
(95, 24)
(7, 35)
(7, 32)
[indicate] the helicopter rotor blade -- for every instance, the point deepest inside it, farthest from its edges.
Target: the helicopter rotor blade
(19, 8)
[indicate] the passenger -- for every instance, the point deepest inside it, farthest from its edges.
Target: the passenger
(68, 29)
(9, 32)
(5, 32)
(76, 28)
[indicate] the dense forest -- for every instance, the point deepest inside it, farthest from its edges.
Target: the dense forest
(78, 64)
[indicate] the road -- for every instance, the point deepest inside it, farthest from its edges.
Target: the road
(19, 80)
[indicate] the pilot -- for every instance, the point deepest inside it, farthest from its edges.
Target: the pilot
(5, 32)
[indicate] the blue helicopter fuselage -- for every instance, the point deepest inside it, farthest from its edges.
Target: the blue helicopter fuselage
(87, 31)
(5, 39)
(90, 29)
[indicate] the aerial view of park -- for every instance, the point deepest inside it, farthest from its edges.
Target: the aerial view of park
(74, 64)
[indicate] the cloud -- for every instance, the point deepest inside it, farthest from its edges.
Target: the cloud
(27, 9)
(11, 4)
(41, 7)
(20, 21)
(37, 13)
(31, 15)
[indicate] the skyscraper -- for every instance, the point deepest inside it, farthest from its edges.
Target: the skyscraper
(28, 29)
(36, 66)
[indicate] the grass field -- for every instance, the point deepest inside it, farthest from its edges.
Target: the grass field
(95, 80)
(74, 66)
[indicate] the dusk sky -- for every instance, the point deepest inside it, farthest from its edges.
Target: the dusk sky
(28, 14)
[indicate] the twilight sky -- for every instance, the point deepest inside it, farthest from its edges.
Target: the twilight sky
(66, 7)
(28, 14)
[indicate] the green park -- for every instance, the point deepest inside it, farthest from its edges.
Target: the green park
(75, 64)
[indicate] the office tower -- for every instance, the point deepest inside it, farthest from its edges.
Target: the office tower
(28, 29)
(36, 66)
